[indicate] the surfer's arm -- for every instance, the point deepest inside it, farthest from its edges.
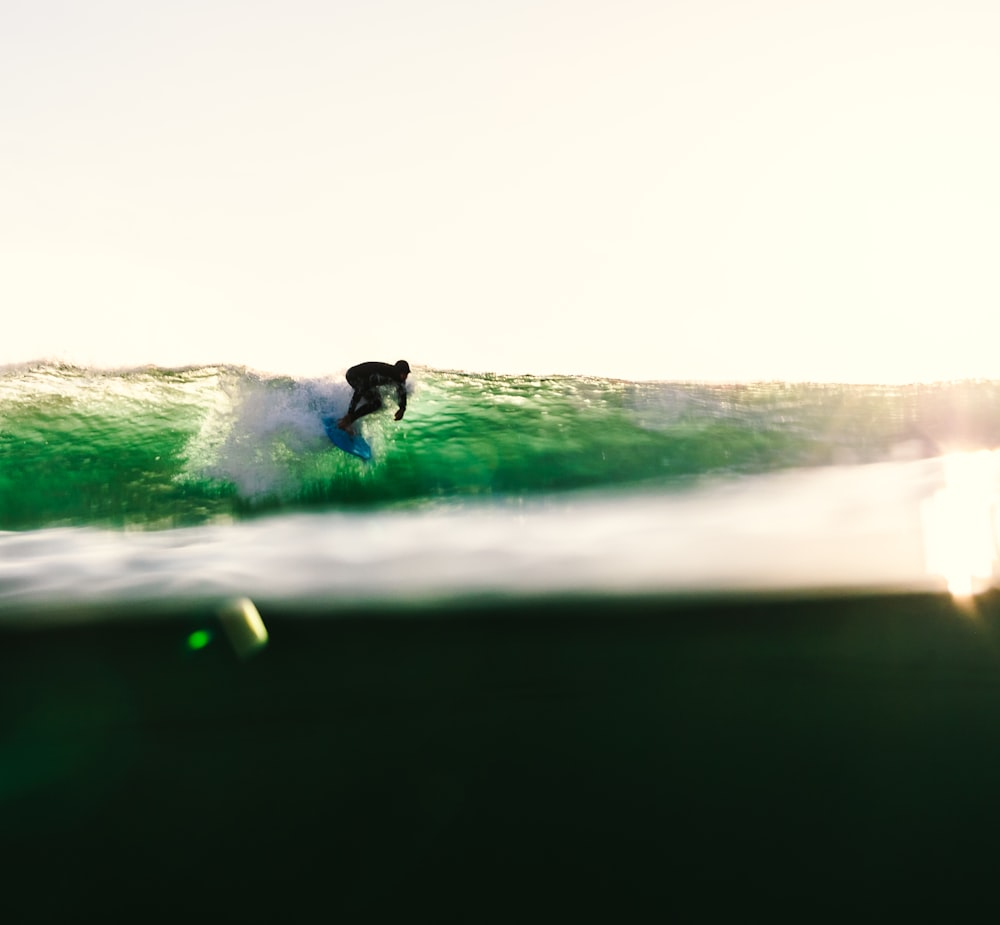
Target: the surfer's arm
(401, 401)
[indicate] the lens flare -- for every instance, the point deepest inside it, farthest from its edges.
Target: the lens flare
(199, 639)
(959, 523)
(243, 625)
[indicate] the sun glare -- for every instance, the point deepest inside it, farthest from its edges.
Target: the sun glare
(960, 524)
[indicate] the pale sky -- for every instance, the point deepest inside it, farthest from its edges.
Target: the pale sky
(683, 189)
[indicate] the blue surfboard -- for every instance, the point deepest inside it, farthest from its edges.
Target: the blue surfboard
(356, 446)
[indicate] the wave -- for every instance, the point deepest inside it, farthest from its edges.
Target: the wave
(154, 447)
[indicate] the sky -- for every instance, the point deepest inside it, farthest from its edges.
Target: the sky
(682, 189)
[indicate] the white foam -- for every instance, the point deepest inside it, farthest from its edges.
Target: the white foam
(833, 529)
(260, 428)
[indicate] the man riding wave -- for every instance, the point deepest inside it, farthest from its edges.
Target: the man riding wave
(368, 381)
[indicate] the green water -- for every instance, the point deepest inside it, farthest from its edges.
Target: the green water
(161, 448)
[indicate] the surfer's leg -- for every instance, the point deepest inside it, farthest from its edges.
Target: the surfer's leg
(370, 401)
(362, 403)
(345, 422)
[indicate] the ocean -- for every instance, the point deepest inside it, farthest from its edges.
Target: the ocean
(184, 485)
(565, 644)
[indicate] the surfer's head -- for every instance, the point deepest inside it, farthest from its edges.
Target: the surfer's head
(403, 367)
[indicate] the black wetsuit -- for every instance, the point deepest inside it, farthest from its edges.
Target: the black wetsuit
(368, 380)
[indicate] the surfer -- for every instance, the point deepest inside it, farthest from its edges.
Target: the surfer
(368, 380)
